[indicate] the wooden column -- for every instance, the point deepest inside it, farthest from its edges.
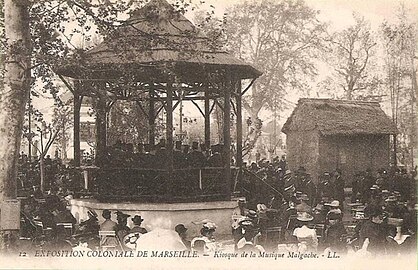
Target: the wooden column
(207, 120)
(239, 123)
(151, 115)
(76, 131)
(101, 136)
(169, 138)
(227, 137)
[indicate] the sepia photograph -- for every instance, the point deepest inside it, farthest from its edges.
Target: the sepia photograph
(208, 134)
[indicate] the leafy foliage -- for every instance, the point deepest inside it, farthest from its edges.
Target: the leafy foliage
(350, 53)
(281, 38)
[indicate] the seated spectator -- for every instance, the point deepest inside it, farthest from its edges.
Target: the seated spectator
(248, 242)
(108, 224)
(122, 228)
(137, 221)
(91, 225)
(307, 238)
(335, 232)
(374, 231)
(205, 243)
(64, 215)
(182, 232)
(302, 205)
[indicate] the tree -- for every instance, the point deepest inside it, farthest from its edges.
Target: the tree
(13, 95)
(400, 46)
(350, 53)
(63, 121)
(281, 38)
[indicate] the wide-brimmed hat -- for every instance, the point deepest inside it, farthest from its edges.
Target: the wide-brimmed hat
(262, 208)
(137, 219)
(242, 200)
(359, 215)
(391, 199)
(287, 173)
(396, 193)
(303, 197)
(304, 216)
(210, 226)
(246, 223)
(180, 228)
(252, 214)
(374, 187)
(335, 203)
(122, 215)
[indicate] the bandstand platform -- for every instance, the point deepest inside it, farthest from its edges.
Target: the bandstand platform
(158, 59)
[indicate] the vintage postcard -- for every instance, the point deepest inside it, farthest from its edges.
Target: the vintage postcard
(215, 134)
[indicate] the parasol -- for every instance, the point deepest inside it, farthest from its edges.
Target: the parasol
(160, 239)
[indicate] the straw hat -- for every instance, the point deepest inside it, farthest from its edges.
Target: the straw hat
(304, 216)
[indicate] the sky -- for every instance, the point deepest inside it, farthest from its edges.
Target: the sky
(337, 12)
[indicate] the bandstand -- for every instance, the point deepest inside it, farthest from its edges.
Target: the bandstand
(158, 59)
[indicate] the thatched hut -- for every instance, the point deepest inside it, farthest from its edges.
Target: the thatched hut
(325, 134)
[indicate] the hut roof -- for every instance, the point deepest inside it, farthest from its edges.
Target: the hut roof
(154, 36)
(344, 117)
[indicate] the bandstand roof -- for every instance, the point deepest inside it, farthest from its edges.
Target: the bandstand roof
(155, 37)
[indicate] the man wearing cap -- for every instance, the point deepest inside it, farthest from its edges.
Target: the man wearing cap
(137, 221)
(182, 232)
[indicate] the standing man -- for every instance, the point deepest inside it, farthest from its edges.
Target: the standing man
(282, 163)
(339, 188)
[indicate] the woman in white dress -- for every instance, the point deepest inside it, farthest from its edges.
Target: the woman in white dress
(307, 238)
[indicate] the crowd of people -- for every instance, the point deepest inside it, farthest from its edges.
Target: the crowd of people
(56, 174)
(312, 215)
(155, 156)
(281, 210)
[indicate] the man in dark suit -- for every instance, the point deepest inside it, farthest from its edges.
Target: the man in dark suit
(196, 158)
(339, 187)
(179, 158)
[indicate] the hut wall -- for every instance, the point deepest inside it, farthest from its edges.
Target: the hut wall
(303, 150)
(353, 153)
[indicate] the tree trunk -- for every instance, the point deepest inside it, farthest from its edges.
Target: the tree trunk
(42, 172)
(13, 97)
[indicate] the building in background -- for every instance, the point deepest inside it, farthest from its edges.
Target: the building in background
(326, 134)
